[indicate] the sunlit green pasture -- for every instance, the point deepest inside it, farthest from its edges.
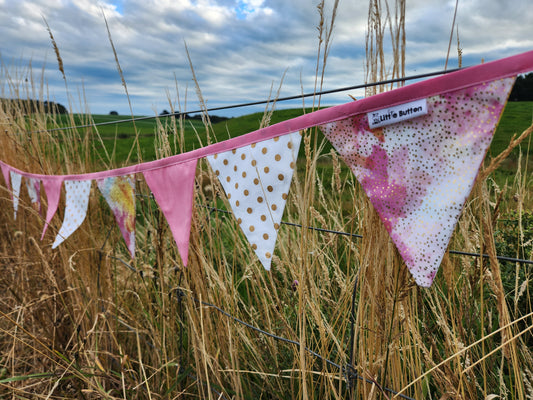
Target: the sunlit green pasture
(120, 137)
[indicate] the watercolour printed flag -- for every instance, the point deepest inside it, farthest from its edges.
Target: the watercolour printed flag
(34, 192)
(77, 201)
(119, 192)
(16, 180)
(419, 172)
(256, 179)
(173, 190)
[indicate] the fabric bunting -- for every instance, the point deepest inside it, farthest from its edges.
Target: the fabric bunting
(256, 180)
(119, 192)
(415, 150)
(77, 201)
(5, 173)
(16, 180)
(418, 173)
(173, 190)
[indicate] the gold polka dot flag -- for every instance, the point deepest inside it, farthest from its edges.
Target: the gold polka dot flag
(76, 204)
(418, 172)
(16, 180)
(256, 179)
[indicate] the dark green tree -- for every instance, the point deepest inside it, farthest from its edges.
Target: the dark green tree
(523, 88)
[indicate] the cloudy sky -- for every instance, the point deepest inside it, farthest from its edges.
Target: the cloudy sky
(240, 49)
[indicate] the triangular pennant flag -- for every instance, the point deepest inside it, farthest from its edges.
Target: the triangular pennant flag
(256, 179)
(5, 173)
(173, 189)
(119, 193)
(16, 180)
(419, 172)
(52, 188)
(34, 192)
(77, 201)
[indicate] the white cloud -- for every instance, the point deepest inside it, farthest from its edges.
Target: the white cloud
(95, 9)
(238, 47)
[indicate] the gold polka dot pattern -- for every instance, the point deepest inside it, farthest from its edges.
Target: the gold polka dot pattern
(261, 187)
(76, 203)
(418, 173)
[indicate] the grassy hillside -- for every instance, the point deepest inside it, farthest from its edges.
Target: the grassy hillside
(516, 117)
(119, 139)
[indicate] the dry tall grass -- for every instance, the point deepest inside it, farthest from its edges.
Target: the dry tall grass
(85, 321)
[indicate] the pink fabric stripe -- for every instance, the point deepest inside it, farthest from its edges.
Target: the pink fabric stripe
(503, 68)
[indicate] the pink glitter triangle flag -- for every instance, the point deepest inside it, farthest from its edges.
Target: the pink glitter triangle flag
(119, 192)
(419, 172)
(173, 189)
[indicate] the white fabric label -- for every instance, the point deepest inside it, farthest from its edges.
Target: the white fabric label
(392, 115)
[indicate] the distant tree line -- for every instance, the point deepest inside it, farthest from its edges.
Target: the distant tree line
(27, 107)
(523, 88)
(214, 118)
(522, 91)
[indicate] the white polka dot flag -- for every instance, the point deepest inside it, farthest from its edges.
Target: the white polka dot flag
(418, 173)
(76, 204)
(173, 189)
(16, 180)
(256, 179)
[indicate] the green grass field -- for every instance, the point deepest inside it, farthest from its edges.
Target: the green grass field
(120, 137)
(516, 117)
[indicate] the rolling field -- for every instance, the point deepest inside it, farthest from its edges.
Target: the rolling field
(120, 137)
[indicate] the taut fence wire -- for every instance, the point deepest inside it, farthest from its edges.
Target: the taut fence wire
(254, 103)
(348, 371)
(355, 235)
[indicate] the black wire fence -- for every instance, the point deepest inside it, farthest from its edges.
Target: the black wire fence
(347, 371)
(355, 235)
(255, 103)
